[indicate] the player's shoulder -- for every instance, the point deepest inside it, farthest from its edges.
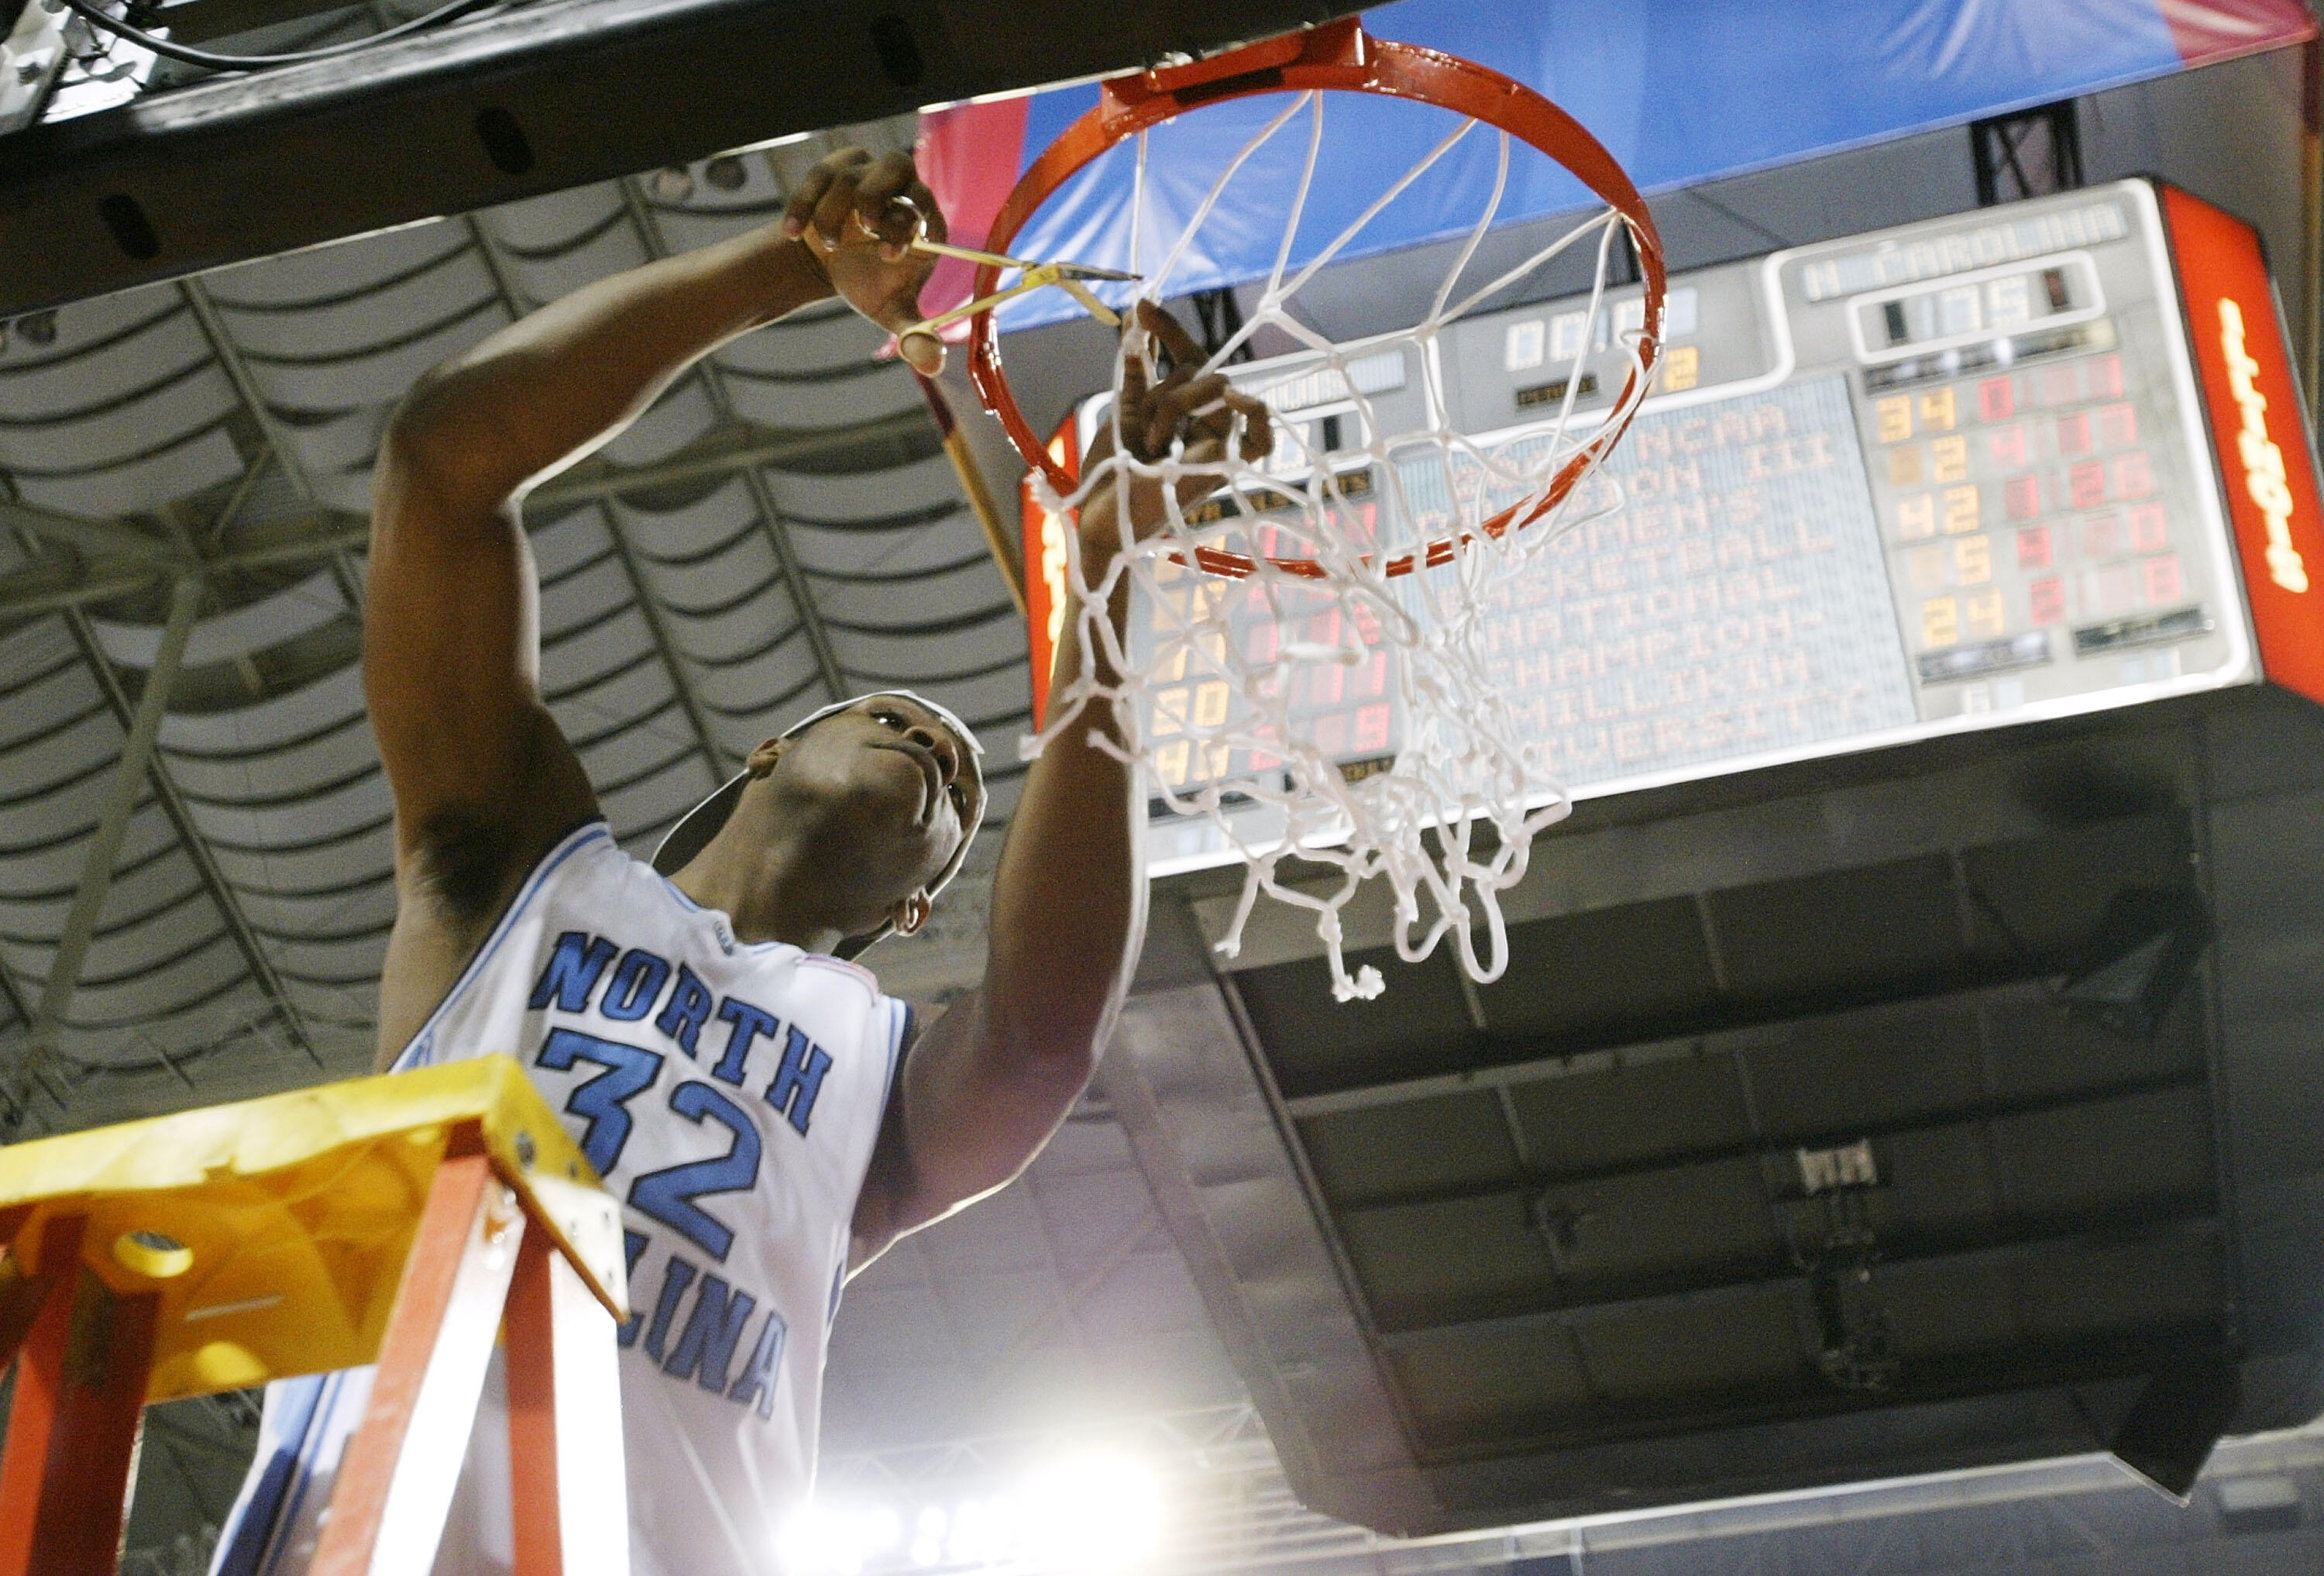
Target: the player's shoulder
(591, 856)
(587, 846)
(851, 979)
(843, 967)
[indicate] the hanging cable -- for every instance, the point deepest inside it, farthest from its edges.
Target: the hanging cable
(89, 13)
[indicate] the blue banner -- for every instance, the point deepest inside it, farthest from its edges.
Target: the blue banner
(1679, 91)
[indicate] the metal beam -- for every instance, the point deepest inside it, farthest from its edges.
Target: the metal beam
(536, 98)
(2101, 1229)
(54, 587)
(657, 624)
(899, 438)
(14, 997)
(1721, 1040)
(51, 588)
(1780, 1153)
(229, 356)
(13, 1116)
(198, 21)
(213, 532)
(907, 436)
(93, 538)
(713, 385)
(197, 296)
(190, 838)
(122, 795)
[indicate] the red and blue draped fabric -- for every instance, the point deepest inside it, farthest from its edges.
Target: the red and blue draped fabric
(1680, 91)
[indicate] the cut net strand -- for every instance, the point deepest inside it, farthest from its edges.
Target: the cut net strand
(1367, 569)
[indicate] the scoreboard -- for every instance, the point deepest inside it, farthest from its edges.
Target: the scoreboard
(2038, 460)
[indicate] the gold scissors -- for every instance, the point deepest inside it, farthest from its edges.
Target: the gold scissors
(1032, 276)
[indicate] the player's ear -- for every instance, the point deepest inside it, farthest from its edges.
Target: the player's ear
(762, 760)
(910, 913)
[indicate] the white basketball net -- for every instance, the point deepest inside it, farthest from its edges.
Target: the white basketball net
(1218, 688)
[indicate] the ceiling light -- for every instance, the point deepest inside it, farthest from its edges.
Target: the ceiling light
(817, 1545)
(1093, 1512)
(826, 1539)
(927, 1537)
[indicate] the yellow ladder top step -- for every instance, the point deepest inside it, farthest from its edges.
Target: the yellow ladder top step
(274, 1231)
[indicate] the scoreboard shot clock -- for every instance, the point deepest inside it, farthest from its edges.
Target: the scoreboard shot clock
(2033, 462)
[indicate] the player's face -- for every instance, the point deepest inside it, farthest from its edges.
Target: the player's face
(899, 783)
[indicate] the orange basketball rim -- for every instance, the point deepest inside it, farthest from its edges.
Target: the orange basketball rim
(1340, 57)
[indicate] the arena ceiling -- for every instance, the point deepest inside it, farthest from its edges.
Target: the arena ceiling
(780, 530)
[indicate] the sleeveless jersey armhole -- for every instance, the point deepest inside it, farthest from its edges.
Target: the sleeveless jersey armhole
(904, 1029)
(419, 1051)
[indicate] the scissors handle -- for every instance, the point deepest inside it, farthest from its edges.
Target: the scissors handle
(1031, 276)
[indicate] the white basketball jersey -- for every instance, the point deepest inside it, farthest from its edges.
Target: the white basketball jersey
(730, 1095)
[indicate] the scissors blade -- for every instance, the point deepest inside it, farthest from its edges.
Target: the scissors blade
(1088, 299)
(966, 254)
(971, 308)
(998, 260)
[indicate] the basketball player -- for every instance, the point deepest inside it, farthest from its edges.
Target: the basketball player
(769, 1120)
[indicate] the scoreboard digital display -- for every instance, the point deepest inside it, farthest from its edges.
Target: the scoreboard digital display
(1954, 475)
(1713, 608)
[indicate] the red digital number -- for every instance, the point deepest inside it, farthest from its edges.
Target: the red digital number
(2074, 433)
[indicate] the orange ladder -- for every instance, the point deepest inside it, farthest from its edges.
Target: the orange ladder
(400, 1220)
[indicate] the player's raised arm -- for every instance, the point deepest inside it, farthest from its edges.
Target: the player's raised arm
(483, 782)
(990, 1080)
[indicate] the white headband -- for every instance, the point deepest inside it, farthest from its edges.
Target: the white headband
(699, 825)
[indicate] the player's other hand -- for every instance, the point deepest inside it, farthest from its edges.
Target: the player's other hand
(856, 214)
(1178, 410)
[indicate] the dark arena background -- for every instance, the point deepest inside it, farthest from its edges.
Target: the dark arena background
(1898, 1142)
